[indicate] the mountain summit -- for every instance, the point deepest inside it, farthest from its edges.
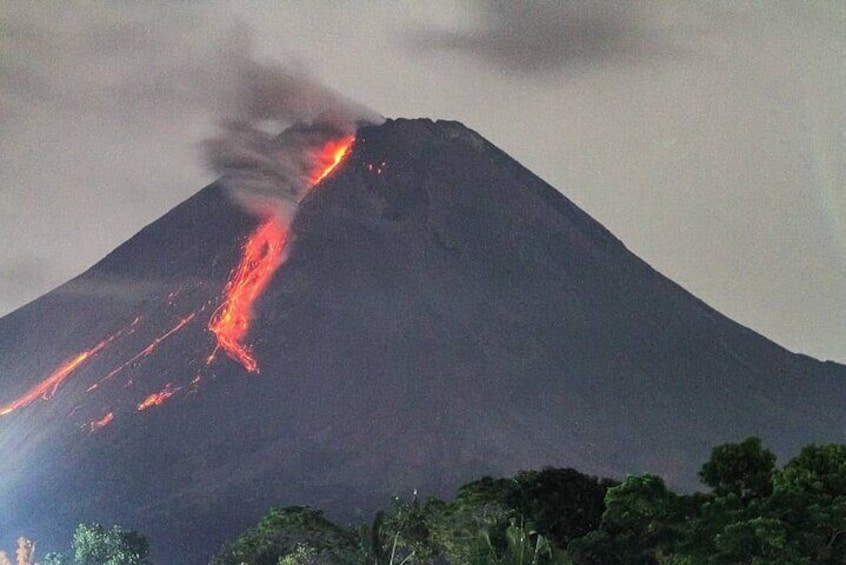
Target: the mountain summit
(442, 314)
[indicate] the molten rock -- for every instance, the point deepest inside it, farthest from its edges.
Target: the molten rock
(442, 314)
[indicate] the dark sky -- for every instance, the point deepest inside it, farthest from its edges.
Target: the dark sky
(708, 136)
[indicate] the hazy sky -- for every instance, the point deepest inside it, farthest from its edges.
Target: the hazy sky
(709, 136)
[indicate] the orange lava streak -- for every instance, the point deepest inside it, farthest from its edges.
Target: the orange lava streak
(48, 387)
(261, 255)
(330, 157)
(95, 425)
(158, 398)
(147, 350)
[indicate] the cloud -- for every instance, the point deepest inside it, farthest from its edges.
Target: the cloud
(102, 108)
(538, 37)
(129, 61)
(128, 70)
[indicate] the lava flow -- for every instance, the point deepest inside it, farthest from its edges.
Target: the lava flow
(48, 387)
(261, 255)
(146, 351)
(330, 156)
(101, 423)
(158, 398)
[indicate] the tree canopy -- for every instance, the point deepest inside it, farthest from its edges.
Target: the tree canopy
(754, 513)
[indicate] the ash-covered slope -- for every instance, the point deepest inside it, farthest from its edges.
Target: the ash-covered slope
(443, 314)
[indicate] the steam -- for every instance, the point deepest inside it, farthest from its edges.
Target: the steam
(271, 133)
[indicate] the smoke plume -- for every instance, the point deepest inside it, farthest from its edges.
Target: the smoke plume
(271, 133)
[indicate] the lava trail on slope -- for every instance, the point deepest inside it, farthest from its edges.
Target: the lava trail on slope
(261, 255)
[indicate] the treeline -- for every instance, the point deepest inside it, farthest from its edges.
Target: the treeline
(754, 513)
(93, 544)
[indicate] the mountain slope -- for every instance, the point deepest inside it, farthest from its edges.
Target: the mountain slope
(443, 313)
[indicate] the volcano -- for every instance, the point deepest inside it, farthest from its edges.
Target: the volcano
(442, 314)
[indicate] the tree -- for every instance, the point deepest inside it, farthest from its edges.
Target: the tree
(56, 559)
(643, 524)
(282, 530)
(562, 504)
(523, 546)
(818, 470)
(759, 540)
(94, 544)
(404, 533)
(810, 497)
(473, 523)
(306, 555)
(744, 469)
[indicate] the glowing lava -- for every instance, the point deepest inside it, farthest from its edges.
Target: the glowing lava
(330, 156)
(261, 255)
(147, 350)
(48, 387)
(158, 398)
(101, 423)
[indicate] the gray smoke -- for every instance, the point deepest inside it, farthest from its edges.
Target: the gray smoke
(272, 131)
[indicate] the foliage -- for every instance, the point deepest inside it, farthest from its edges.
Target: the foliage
(754, 514)
(94, 544)
(743, 469)
(639, 525)
(279, 533)
(810, 498)
(403, 534)
(473, 524)
(563, 504)
(523, 546)
(306, 555)
(56, 559)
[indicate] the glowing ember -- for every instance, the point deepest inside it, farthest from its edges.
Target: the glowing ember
(48, 387)
(330, 157)
(101, 423)
(261, 255)
(158, 398)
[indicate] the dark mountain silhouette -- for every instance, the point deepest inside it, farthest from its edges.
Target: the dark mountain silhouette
(443, 314)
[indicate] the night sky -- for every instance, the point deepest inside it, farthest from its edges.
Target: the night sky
(708, 136)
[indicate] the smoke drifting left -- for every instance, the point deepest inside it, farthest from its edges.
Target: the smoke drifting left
(282, 134)
(274, 134)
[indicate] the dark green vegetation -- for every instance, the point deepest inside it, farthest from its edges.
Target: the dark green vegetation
(754, 514)
(94, 544)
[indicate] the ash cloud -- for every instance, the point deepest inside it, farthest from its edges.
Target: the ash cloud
(127, 70)
(271, 133)
(102, 107)
(537, 37)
